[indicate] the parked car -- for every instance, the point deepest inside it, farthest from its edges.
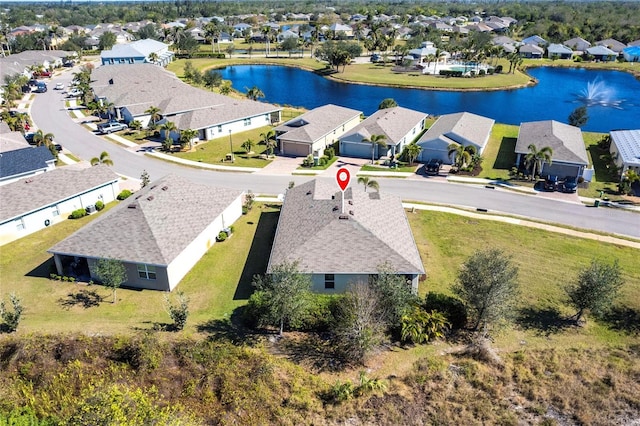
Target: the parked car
(29, 138)
(59, 86)
(58, 147)
(41, 74)
(112, 126)
(432, 167)
(74, 93)
(551, 183)
(68, 64)
(570, 184)
(42, 87)
(375, 58)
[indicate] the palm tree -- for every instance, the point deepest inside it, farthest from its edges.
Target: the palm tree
(135, 125)
(269, 139)
(536, 158)
(368, 183)
(40, 138)
(168, 127)
(463, 154)
(187, 136)
(103, 159)
(248, 145)
(154, 114)
(375, 140)
(153, 57)
(412, 151)
(254, 93)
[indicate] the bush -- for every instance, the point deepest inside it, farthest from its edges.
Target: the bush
(221, 236)
(245, 210)
(577, 59)
(318, 316)
(482, 72)
(323, 160)
(490, 71)
(330, 153)
(11, 319)
(452, 308)
(99, 205)
(451, 73)
(124, 194)
(498, 69)
(77, 214)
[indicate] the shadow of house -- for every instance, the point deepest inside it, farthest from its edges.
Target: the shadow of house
(506, 157)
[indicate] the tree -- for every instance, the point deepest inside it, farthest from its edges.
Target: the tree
(579, 116)
(375, 140)
(135, 125)
(595, 288)
(461, 154)
(103, 159)
(289, 44)
(254, 93)
(154, 114)
(269, 139)
(187, 136)
(225, 87)
(144, 179)
(179, 312)
(11, 319)
(40, 138)
(112, 274)
(394, 294)
(368, 183)
(107, 40)
(187, 44)
(285, 293)
(388, 103)
(248, 145)
(168, 128)
(536, 158)
(212, 79)
(148, 31)
(412, 151)
(488, 284)
(153, 57)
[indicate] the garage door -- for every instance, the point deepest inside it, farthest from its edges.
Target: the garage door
(428, 154)
(355, 149)
(295, 149)
(560, 170)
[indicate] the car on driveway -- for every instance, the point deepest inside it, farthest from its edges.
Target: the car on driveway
(112, 126)
(432, 167)
(551, 183)
(570, 184)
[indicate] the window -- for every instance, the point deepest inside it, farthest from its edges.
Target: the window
(219, 129)
(122, 61)
(147, 272)
(20, 224)
(247, 122)
(329, 281)
(55, 211)
(131, 60)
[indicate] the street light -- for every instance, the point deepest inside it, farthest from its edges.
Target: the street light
(231, 146)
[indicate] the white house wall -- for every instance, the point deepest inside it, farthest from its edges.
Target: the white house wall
(187, 259)
(133, 280)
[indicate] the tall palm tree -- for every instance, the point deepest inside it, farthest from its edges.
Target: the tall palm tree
(168, 127)
(462, 154)
(153, 57)
(187, 136)
(269, 139)
(40, 138)
(368, 183)
(412, 151)
(103, 159)
(536, 158)
(254, 93)
(375, 140)
(154, 114)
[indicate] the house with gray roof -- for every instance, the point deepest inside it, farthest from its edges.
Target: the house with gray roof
(577, 43)
(137, 52)
(569, 152)
(340, 242)
(133, 89)
(315, 130)
(531, 51)
(535, 40)
(35, 202)
(559, 51)
(159, 233)
(625, 149)
(400, 126)
(462, 128)
(602, 53)
(28, 161)
(612, 44)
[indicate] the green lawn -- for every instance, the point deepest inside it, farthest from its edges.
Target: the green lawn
(604, 177)
(499, 155)
(402, 169)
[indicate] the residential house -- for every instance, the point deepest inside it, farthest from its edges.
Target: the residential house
(21, 163)
(634, 43)
(159, 233)
(133, 89)
(602, 53)
(400, 126)
(285, 35)
(462, 128)
(631, 54)
(625, 149)
(578, 44)
(559, 51)
(502, 40)
(22, 63)
(535, 40)
(569, 152)
(341, 28)
(138, 52)
(315, 130)
(241, 30)
(531, 51)
(612, 44)
(45, 199)
(337, 241)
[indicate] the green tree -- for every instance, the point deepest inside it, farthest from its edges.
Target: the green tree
(149, 31)
(225, 87)
(153, 57)
(187, 136)
(254, 93)
(168, 128)
(461, 154)
(144, 179)
(388, 103)
(154, 114)
(248, 145)
(107, 40)
(112, 274)
(411, 151)
(595, 288)
(285, 294)
(40, 138)
(488, 284)
(535, 158)
(375, 140)
(11, 318)
(135, 125)
(289, 44)
(578, 116)
(395, 295)
(103, 159)
(187, 44)
(269, 140)
(212, 79)
(368, 183)
(178, 312)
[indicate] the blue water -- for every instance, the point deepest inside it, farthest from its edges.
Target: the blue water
(615, 101)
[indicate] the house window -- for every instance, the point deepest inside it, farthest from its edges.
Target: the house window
(122, 61)
(247, 122)
(329, 281)
(131, 60)
(20, 224)
(219, 129)
(147, 272)
(55, 211)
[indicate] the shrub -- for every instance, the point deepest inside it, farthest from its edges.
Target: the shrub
(490, 71)
(577, 59)
(11, 319)
(323, 160)
(124, 194)
(330, 153)
(498, 69)
(77, 214)
(245, 210)
(452, 308)
(99, 205)
(178, 312)
(482, 72)
(318, 316)
(221, 236)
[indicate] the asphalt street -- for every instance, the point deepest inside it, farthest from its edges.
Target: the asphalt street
(49, 114)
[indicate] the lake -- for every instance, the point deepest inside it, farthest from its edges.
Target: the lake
(612, 97)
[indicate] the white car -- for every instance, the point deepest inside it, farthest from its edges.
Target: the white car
(74, 93)
(59, 86)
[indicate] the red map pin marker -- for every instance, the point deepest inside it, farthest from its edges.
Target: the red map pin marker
(343, 177)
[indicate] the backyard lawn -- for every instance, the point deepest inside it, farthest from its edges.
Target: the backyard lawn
(499, 155)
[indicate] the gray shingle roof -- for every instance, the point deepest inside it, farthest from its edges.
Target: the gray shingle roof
(460, 126)
(628, 144)
(565, 140)
(10, 140)
(316, 123)
(25, 160)
(559, 49)
(154, 225)
(139, 48)
(311, 232)
(48, 188)
(394, 123)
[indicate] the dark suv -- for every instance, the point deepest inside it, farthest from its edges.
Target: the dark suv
(551, 183)
(432, 167)
(570, 184)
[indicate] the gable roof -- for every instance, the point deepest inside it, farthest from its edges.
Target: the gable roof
(565, 140)
(559, 48)
(51, 187)
(460, 127)
(394, 123)
(601, 50)
(531, 48)
(10, 140)
(24, 160)
(376, 230)
(628, 144)
(612, 44)
(154, 225)
(316, 123)
(534, 40)
(577, 43)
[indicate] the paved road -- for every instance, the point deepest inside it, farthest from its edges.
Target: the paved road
(48, 112)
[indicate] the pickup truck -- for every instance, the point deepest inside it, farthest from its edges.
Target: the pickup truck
(112, 126)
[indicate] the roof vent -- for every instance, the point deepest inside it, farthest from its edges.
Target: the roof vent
(350, 202)
(150, 198)
(343, 217)
(164, 188)
(132, 206)
(336, 208)
(110, 81)
(308, 192)
(351, 212)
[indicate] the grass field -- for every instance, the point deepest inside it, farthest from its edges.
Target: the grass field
(499, 155)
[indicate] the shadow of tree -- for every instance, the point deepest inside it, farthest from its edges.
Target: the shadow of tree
(83, 298)
(545, 321)
(230, 329)
(506, 157)
(313, 350)
(623, 318)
